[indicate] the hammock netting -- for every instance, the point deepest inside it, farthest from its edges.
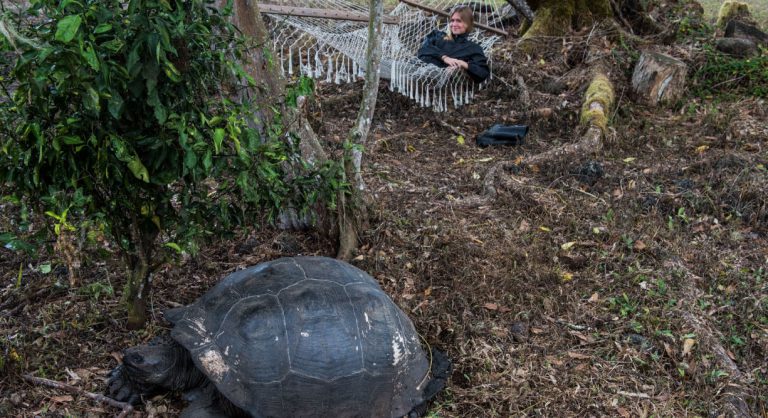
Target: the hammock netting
(334, 50)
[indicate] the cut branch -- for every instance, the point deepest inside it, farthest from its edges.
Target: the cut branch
(125, 408)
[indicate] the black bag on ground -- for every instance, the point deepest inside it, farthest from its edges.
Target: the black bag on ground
(502, 135)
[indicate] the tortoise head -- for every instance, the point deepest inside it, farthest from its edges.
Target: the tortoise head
(153, 365)
(150, 369)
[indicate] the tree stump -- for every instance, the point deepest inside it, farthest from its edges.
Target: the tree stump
(658, 78)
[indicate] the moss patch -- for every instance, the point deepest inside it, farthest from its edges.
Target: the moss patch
(589, 12)
(732, 10)
(553, 18)
(598, 101)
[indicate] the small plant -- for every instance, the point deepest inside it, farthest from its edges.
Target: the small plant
(623, 305)
(736, 340)
(609, 216)
(628, 241)
(715, 375)
(96, 290)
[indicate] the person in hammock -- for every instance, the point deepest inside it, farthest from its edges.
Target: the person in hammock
(454, 49)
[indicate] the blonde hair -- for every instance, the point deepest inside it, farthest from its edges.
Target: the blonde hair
(466, 16)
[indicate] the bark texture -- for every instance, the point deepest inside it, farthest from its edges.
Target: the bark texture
(269, 84)
(557, 17)
(658, 78)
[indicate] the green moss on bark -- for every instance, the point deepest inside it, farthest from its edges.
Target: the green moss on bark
(598, 101)
(557, 17)
(732, 10)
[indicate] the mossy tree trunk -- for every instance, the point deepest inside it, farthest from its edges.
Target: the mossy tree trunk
(557, 17)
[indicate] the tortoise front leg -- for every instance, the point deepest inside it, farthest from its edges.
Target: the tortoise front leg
(120, 388)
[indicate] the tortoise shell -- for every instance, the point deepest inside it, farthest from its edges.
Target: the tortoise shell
(305, 337)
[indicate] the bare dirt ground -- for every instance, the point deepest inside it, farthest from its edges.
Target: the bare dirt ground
(629, 281)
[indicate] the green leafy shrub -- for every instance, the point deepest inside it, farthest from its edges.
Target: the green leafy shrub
(721, 74)
(131, 114)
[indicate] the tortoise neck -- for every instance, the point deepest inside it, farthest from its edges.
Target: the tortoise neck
(185, 375)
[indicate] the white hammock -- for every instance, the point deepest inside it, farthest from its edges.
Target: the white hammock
(334, 50)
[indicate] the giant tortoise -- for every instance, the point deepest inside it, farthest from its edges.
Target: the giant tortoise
(293, 337)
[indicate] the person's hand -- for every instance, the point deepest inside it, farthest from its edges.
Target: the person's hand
(455, 63)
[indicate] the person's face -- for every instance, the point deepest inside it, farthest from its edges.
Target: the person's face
(458, 27)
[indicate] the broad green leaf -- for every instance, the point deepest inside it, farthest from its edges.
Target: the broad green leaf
(161, 114)
(218, 139)
(116, 105)
(90, 56)
(65, 3)
(67, 28)
(92, 100)
(174, 246)
(71, 140)
(171, 72)
(114, 45)
(45, 53)
(138, 169)
(102, 28)
(190, 160)
(207, 161)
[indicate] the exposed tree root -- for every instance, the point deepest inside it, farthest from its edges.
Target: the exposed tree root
(513, 117)
(497, 177)
(125, 408)
(734, 396)
(599, 100)
(591, 142)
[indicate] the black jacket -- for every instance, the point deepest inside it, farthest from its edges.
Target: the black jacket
(434, 47)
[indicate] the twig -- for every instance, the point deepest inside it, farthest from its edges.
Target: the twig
(125, 408)
(453, 129)
(633, 394)
(525, 95)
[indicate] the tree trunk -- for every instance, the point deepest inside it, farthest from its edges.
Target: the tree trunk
(269, 84)
(352, 207)
(139, 270)
(556, 17)
(137, 290)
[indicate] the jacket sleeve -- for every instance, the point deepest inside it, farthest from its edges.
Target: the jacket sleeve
(477, 64)
(429, 52)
